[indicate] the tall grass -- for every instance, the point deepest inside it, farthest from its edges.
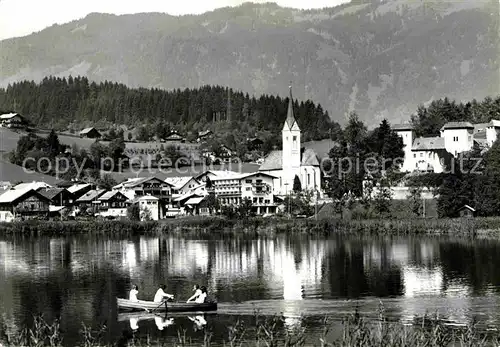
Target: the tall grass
(427, 331)
(217, 227)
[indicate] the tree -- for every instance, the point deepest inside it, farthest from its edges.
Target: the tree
(106, 182)
(53, 145)
(208, 183)
(297, 186)
(133, 212)
(415, 200)
(245, 208)
(383, 198)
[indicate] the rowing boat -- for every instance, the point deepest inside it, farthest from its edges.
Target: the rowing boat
(142, 305)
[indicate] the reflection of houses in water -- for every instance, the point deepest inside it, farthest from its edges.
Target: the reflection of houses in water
(296, 278)
(399, 253)
(185, 257)
(427, 292)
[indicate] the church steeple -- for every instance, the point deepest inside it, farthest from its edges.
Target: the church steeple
(290, 118)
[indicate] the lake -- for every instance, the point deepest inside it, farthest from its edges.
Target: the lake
(78, 278)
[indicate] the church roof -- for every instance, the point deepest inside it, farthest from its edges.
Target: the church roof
(290, 118)
(274, 160)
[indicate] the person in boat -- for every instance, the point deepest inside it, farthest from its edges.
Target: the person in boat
(161, 295)
(202, 297)
(197, 293)
(132, 296)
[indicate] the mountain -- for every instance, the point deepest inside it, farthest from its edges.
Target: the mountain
(379, 58)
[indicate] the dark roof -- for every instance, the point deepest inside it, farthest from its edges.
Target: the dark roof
(290, 118)
(428, 143)
(51, 193)
(458, 125)
(91, 195)
(402, 127)
(274, 160)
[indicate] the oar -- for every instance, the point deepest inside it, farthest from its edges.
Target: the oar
(161, 303)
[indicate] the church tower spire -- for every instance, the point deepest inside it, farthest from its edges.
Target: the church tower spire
(291, 146)
(290, 118)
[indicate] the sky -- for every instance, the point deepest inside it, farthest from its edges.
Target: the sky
(22, 17)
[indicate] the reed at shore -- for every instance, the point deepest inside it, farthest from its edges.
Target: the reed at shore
(426, 331)
(254, 227)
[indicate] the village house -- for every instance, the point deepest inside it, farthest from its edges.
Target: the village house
(79, 189)
(174, 136)
(197, 206)
(150, 207)
(135, 188)
(24, 204)
(254, 144)
(113, 204)
(12, 120)
(89, 202)
(58, 196)
(256, 186)
(90, 133)
(181, 185)
(293, 161)
(211, 174)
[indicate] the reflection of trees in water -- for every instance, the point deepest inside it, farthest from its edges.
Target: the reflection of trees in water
(349, 278)
(474, 262)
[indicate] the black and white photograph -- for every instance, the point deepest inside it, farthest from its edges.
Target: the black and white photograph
(249, 173)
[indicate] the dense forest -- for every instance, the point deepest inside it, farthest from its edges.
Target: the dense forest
(74, 103)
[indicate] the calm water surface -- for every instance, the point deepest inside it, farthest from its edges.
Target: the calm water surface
(77, 279)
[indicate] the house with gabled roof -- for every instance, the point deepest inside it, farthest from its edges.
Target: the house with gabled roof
(58, 196)
(134, 188)
(292, 160)
(12, 120)
(113, 204)
(90, 133)
(24, 203)
(181, 184)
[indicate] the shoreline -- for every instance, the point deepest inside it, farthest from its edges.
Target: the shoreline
(256, 227)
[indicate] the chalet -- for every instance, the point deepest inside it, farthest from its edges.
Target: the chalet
(79, 189)
(197, 206)
(89, 202)
(135, 188)
(204, 135)
(224, 155)
(24, 204)
(466, 211)
(12, 120)
(175, 137)
(58, 196)
(113, 204)
(182, 185)
(91, 133)
(254, 144)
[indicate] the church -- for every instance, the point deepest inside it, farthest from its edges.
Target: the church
(293, 160)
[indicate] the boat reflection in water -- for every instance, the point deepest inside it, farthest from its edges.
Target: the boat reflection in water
(134, 324)
(162, 323)
(199, 322)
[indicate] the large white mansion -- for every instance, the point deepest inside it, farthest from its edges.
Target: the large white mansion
(428, 153)
(292, 160)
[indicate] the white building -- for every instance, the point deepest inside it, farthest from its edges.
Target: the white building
(181, 185)
(431, 153)
(151, 204)
(256, 186)
(292, 160)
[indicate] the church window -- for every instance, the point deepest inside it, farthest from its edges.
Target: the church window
(295, 142)
(308, 179)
